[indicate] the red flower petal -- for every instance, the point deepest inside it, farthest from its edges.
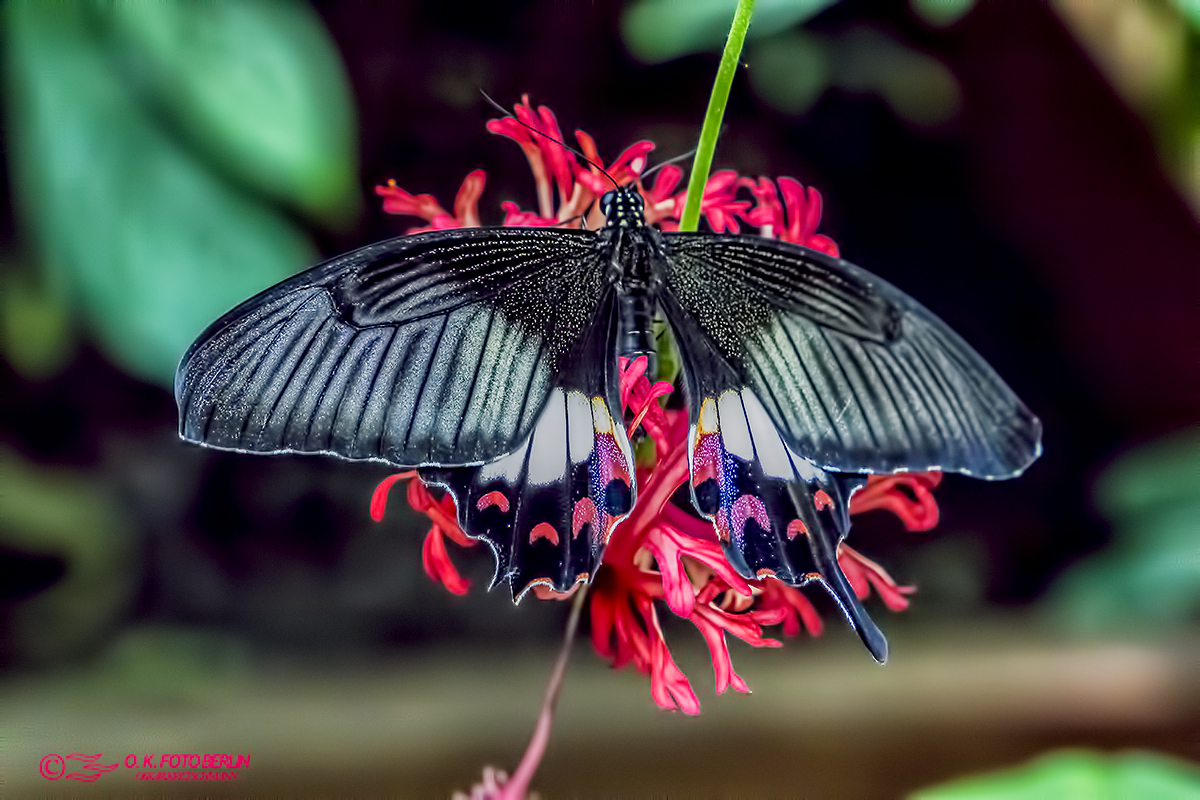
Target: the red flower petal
(863, 573)
(438, 565)
(669, 687)
(398, 201)
(918, 511)
(466, 204)
(380, 495)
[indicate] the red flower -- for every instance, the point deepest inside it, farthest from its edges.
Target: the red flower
(434, 557)
(799, 224)
(466, 204)
(662, 553)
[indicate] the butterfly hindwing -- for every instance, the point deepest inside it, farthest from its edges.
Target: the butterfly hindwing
(777, 515)
(548, 508)
(856, 375)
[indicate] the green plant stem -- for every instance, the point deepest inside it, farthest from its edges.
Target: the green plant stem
(702, 164)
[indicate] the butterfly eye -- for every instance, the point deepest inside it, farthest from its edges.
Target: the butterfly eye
(606, 202)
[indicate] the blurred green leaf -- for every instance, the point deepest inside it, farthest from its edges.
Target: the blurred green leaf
(1160, 474)
(164, 665)
(1150, 573)
(660, 30)
(66, 515)
(941, 13)
(150, 242)
(790, 71)
(36, 336)
(1079, 775)
(258, 86)
(1190, 9)
(916, 86)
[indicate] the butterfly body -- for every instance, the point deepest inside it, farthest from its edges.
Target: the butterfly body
(488, 359)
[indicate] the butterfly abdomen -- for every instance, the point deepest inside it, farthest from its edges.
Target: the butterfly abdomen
(638, 275)
(636, 318)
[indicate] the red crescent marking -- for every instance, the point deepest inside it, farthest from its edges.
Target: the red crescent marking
(584, 512)
(796, 528)
(822, 500)
(493, 499)
(543, 530)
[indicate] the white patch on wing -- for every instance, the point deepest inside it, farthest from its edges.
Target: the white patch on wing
(507, 467)
(804, 468)
(626, 449)
(548, 447)
(706, 420)
(602, 420)
(735, 430)
(580, 432)
(772, 453)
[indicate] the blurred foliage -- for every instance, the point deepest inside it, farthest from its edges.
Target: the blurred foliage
(790, 68)
(164, 665)
(1150, 52)
(36, 335)
(1190, 9)
(1150, 573)
(941, 13)
(65, 515)
(661, 30)
(1079, 775)
(150, 143)
(791, 71)
(289, 131)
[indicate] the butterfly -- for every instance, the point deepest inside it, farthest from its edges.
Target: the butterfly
(488, 359)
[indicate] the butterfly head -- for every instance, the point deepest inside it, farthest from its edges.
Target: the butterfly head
(623, 207)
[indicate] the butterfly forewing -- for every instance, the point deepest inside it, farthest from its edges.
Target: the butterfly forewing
(857, 376)
(438, 348)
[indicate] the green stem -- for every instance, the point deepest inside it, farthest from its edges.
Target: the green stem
(702, 164)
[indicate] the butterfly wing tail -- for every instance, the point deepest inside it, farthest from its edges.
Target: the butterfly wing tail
(823, 510)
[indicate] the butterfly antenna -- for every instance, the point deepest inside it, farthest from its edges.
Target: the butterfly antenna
(561, 144)
(675, 160)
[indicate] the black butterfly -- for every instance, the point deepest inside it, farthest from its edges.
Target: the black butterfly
(488, 358)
